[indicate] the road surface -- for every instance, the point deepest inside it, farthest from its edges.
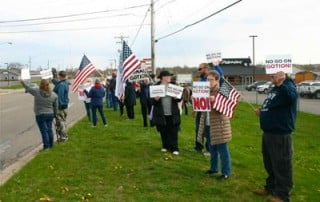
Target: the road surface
(19, 134)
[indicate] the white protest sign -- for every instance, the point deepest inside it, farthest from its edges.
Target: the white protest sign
(81, 94)
(214, 57)
(276, 63)
(201, 96)
(25, 74)
(174, 90)
(46, 74)
(157, 91)
(184, 78)
(139, 75)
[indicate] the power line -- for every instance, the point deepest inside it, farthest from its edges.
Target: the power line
(71, 29)
(192, 24)
(142, 23)
(72, 15)
(67, 21)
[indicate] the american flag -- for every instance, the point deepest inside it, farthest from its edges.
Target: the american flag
(86, 68)
(226, 99)
(130, 63)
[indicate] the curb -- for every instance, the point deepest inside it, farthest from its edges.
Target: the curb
(12, 169)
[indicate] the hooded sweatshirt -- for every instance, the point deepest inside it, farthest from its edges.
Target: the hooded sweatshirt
(279, 110)
(44, 102)
(96, 94)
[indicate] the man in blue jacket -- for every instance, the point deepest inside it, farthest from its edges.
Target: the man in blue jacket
(61, 88)
(277, 121)
(204, 69)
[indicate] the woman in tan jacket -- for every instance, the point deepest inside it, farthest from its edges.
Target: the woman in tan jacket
(219, 129)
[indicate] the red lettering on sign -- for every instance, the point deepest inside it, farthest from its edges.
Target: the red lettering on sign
(201, 104)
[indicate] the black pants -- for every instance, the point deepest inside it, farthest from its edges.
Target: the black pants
(145, 110)
(130, 111)
(198, 146)
(121, 106)
(277, 153)
(169, 135)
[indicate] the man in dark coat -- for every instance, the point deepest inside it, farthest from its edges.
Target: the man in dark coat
(145, 101)
(130, 99)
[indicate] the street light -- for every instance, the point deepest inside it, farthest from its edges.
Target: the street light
(253, 55)
(254, 64)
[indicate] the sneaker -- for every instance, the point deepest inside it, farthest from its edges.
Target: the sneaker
(105, 125)
(224, 177)
(93, 126)
(261, 192)
(175, 153)
(206, 154)
(274, 199)
(211, 172)
(164, 150)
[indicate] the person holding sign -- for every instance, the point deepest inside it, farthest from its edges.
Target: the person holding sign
(277, 121)
(203, 72)
(217, 128)
(45, 109)
(166, 116)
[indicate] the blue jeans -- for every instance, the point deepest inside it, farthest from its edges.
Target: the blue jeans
(109, 99)
(221, 150)
(88, 110)
(114, 102)
(44, 122)
(94, 114)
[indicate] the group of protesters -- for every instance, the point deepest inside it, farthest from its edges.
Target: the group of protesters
(212, 128)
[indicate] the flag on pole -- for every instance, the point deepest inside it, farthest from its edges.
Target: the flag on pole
(130, 63)
(226, 99)
(120, 86)
(85, 69)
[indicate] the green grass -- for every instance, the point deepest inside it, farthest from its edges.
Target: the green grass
(123, 163)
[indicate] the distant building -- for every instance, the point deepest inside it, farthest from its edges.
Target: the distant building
(239, 71)
(305, 75)
(6, 75)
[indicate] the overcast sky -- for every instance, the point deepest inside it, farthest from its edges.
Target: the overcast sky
(282, 27)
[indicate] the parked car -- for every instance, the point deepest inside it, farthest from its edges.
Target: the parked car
(253, 86)
(302, 87)
(265, 88)
(313, 90)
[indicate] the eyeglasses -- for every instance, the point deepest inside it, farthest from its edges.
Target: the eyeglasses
(211, 79)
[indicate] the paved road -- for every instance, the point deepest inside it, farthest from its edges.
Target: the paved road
(19, 134)
(305, 104)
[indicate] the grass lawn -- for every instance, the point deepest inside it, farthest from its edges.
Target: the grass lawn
(123, 163)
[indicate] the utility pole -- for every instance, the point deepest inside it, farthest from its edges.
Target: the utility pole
(153, 63)
(121, 41)
(253, 56)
